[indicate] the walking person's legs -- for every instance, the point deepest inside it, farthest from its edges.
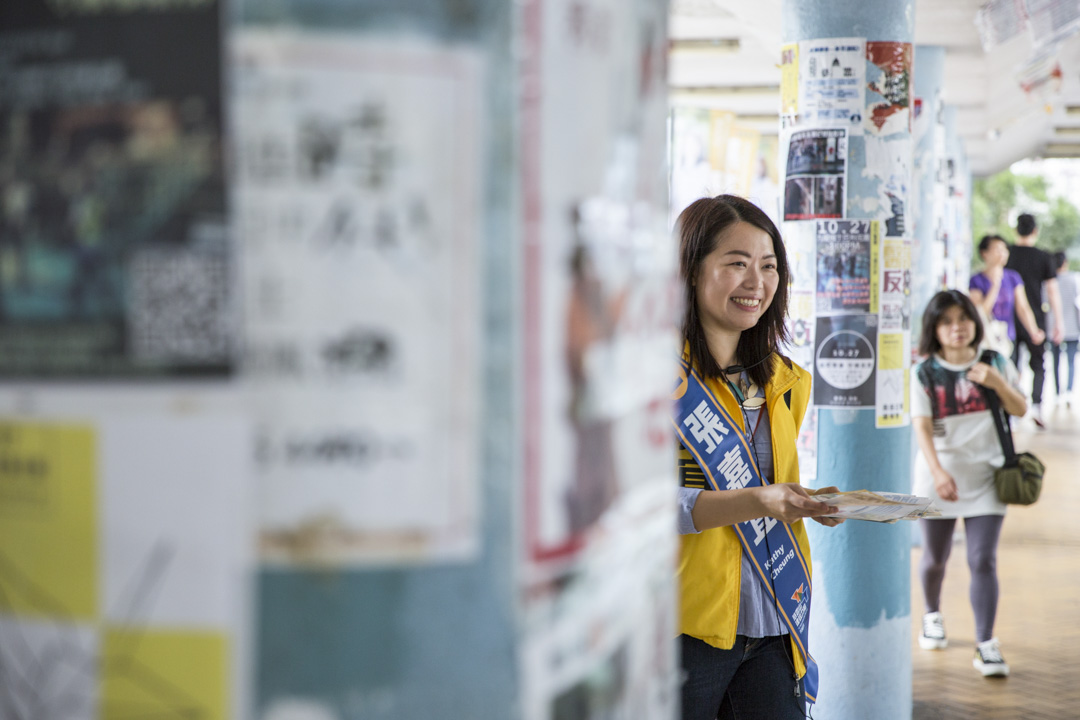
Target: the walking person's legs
(937, 545)
(1055, 351)
(1070, 360)
(982, 534)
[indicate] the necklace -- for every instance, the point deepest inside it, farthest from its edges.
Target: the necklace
(748, 394)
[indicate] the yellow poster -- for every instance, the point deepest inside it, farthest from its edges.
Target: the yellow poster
(48, 521)
(92, 558)
(160, 674)
(789, 79)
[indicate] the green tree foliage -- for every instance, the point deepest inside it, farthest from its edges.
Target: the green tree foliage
(997, 201)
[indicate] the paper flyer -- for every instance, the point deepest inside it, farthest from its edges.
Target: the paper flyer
(596, 301)
(123, 559)
(116, 258)
(845, 264)
(368, 448)
(816, 173)
(888, 96)
(894, 338)
(789, 81)
(845, 361)
(886, 507)
(832, 74)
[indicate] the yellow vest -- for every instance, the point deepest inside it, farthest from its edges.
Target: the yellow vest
(710, 562)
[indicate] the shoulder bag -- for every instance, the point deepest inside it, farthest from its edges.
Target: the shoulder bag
(1019, 480)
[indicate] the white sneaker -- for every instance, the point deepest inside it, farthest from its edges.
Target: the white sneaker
(933, 632)
(988, 659)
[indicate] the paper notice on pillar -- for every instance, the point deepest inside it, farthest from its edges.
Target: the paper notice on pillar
(893, 375)
(846, 252)
(845, 361)
(895, 299)
(124, 559)
(789, 82)
(598, 287)
(889, 161)
(816, 173)
(888, 96)
(115, 258)
(358, 196)
(832, 74)
(807, 446)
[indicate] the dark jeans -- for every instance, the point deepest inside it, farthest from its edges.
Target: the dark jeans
(1070, 358)
(1035, 362)
(754, 680)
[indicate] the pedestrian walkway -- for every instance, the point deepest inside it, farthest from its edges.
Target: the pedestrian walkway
(1038, 618)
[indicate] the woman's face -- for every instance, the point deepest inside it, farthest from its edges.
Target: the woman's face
(737, 280)
(955, 329)
(996, 255)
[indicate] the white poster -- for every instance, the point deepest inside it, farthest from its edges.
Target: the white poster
(894, 336)
(599, 299)
(832, 83)
(359, 171)
(125, 562)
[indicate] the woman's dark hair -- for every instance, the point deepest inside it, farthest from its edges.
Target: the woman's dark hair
(1059, 259)
(700, 227)
(935, 309)
(987, 241)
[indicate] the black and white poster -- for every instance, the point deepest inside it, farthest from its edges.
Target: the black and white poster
(845, 361)
(816, 182)
(114, 255)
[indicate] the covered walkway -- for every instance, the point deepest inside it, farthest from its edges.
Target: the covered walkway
(1039, 611)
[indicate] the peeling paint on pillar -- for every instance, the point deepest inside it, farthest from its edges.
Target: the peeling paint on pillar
(860, 621)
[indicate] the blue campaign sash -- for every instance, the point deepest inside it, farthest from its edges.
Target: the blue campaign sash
(712, 436)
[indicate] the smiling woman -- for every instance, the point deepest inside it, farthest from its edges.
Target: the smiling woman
(739, 405)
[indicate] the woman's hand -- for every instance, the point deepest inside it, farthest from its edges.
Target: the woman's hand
(985, 375)
(789, 502)
(826, 520)
(945, 485)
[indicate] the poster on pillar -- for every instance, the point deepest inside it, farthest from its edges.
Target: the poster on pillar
(599, 295)
(360, 223)
(815, 174)
(845, 360)
(832, 74)
(894, 334)
(888, 84)
(124, 565)
(115, 260)
(847, 254)
(888, 167)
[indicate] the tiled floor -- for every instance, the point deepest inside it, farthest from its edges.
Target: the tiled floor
(1038, 618)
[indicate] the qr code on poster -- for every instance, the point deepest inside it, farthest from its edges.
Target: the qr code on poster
(178, 309)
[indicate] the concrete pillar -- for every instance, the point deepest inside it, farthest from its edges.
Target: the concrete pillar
(564, 605)
(860, 622)
(393, 638)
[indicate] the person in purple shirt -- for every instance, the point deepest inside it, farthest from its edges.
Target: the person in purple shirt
(998, 291)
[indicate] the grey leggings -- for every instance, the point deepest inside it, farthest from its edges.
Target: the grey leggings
(981, 536)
